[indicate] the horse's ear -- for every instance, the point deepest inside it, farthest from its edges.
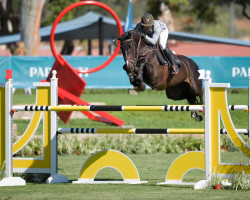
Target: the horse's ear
(115, 39)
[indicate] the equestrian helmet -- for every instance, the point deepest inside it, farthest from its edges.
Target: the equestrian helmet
(147, 20)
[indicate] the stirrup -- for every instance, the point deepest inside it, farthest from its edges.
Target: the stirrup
(178, 62)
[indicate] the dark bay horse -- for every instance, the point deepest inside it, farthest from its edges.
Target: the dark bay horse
(143, 66)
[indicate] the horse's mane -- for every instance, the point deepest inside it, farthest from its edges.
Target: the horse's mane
(128, 34)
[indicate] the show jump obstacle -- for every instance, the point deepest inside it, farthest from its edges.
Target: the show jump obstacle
(46, 107)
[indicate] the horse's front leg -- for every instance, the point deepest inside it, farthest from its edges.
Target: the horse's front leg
(140, 72)
(139, 78)
(130, 74)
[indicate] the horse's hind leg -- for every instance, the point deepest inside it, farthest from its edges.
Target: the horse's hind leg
(199, 99)
(192, 99)
(197, 117)
(196, 97)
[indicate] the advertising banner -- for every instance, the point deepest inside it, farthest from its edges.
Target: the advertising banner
(233, 70)
(4, 64)
(29, 69)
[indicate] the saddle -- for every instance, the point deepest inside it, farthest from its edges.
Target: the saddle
(163, 60)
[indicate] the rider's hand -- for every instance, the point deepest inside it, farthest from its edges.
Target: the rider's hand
(141, 34)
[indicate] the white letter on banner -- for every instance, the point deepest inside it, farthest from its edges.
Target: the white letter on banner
(41, 72)
(33, 71)
(243, 72)
(47, 71)
(236, 71)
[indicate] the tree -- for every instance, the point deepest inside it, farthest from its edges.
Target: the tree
(9, 20)
(204, 11)
(30, 22)
(30, 12)
(244, 4)
(9, 17)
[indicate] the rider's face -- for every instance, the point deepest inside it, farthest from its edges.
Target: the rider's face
(148, 28)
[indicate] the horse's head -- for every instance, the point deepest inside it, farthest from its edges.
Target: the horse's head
(129, 45)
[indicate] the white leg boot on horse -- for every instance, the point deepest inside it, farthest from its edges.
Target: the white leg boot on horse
(173, 59)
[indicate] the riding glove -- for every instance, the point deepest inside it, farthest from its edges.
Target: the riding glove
(141, 34)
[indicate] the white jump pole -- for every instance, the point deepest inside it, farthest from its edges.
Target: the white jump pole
(9, 180)
(208, 81)
(249, 114)
(54, 176)
(8, 129)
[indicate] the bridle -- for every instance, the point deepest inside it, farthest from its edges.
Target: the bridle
(136, 57)
(133, 60)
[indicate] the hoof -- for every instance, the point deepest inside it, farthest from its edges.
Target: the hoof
(142, 86)
(137, 89)
(198, 118)
(193, 115)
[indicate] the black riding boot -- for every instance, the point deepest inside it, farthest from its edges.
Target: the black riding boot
(173, 59)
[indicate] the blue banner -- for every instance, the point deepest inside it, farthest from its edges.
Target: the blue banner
(233, 70)
(4, 64)
(29, 69)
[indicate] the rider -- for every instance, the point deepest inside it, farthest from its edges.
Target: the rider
(152, 30)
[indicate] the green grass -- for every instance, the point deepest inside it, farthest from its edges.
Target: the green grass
(152, 168)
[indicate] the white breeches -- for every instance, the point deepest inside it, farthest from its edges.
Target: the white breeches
(164, 38)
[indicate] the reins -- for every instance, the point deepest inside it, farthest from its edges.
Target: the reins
(126, 41)
(136, 57)
(133, 60)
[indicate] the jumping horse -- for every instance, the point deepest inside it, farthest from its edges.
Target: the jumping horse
(142, 66)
